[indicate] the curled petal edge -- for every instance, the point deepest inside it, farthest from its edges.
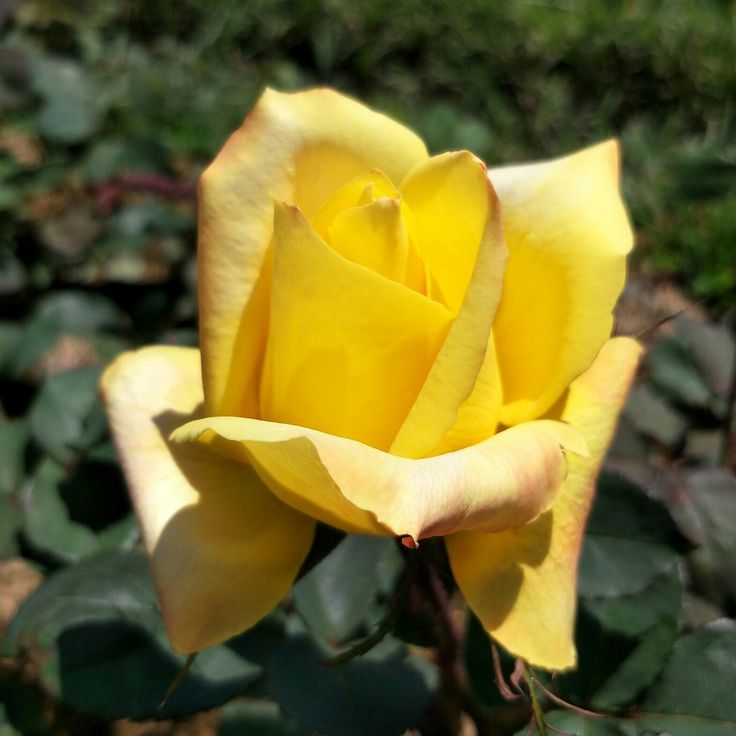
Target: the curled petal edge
(501, 483)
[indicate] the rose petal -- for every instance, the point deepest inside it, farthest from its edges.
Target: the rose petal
(373, 236)
(458, 230)
(521, 583)
(348, 350)
(224, 550)
(568, 236)
(501, 483)
(298, 148)
(477, 416)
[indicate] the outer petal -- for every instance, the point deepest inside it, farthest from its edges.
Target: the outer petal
(224, 550)
(458, 230)
(521, 583)
(348, 349)
(568, 236)
(500, 483)
(297, 148)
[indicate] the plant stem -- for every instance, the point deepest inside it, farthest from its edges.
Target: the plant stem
(536, 705)
(451, 657)
(385, 626)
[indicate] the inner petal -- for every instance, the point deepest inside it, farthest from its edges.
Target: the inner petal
(367, 222)
(348, 349)
(374, 236)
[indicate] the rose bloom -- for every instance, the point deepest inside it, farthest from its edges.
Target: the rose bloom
(390, 343)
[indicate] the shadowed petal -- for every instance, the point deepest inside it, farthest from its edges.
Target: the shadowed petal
(503, 482)
(224, 550)
(568, 235)
(521, 583)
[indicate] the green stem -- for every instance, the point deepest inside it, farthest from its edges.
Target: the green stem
(385, 626)
(536, 705)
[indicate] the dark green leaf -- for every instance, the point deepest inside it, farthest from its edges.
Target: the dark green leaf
(72, 103)
(5, 728)
(622, 510)
(713, 349)
(577, 725)
(380, 694)
(335, 598)
(96, 631)
(79, 312)
(710, 506)
(66, 412)
(612, 566)
(46, 524)
(699, 678)
(10, 522)
(674, 372)
(663, 725)
(13, 440)
(11, 335)
(633, 615)
(260, 717)
(639, 669)
(651, 415)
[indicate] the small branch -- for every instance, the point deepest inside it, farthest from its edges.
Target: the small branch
(557, 700)
(536, 705)
(668, 318)
(451, 656)
(385, 626)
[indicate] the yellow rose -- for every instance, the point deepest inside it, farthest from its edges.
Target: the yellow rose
(392, 344)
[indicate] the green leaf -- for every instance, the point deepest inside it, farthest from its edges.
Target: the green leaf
(79, 312)
(651, 415)
(5, 728)
(640, 667)
(36, 338)
(96, 633)
(66, 415)
(633, 615)
(713, 350)
(662, 725)
(46, 524)
(72, 103)
(10, 522)
(13, 441)
(675, 373)
(699, 678)
(709, 512)
(616, 566)
(572, 723)
(335, 598)
(623, 510)
(380, 694)
(11, 335)
(260, 717)
(631, 596)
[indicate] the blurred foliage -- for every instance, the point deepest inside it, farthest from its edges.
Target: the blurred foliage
(109, 109)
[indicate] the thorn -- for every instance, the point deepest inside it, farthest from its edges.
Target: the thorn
(409, 542)
(180, 676)
(647, 330)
